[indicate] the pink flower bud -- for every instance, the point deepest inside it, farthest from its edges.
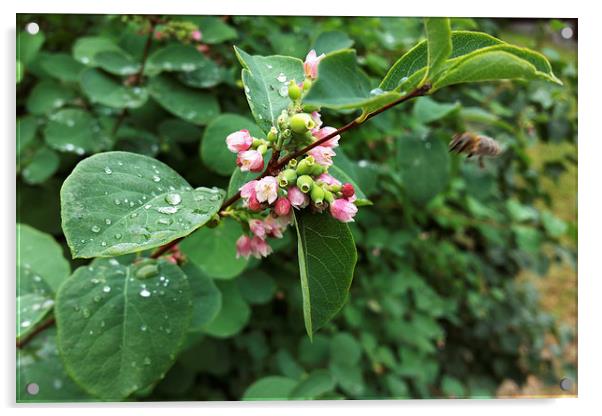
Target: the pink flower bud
(297, 198)
(328, 179)
(266, 189)
(202, 48)
(323, 155)
(158, 35)
(239, 141)
(317, 118)
(248, 189)
(348, 191)
(276, 225)
(310, 66)
(196, 35)
(257, 227)
(254, 204)
(325, 131)
(260, 248)
(343, 210)
(243, 247)
(250, 160)
(282, 207)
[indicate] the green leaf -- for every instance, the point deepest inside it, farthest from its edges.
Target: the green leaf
(213, 250)
(75, 131)
(439, 44)
(257, 287)
(234, 314)
(28, 46)
(214, 29)
(85, 49)
(341, 84)
(117, 62)
(115, 203)
(179, 131)
(62, 67)
(497, 62)
(427, 110)
(39, 362)
(348, 376)
(47, 96)
(327, 258)
(206, 297)
(265, 79)
(424, 167)
(44, 163)
(193, 106)
(120, 327)
(41, 268)
(319, 382)
(214, 152)
(331, 41)
(208, 76)
(27, 127)
(270, 388)
(344, 349)
(452, 387)
(102, 88)
(176, 57)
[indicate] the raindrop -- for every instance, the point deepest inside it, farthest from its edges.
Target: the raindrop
(283, 91)
(86, 312)
(106, 289)
(146, 271)
(281, 77)
(147, 361)
(108, 221)
(156, 178)
(376, 91)
(147, 206)
(143, 328)
(167, 210)
(117, 236)
(108, 170)
(117, 202)
(133, 215)
(95, 228)
(145, 293)
(103, 243)
(173, 199)
(97, 298)
(25, 324)
(164, 221)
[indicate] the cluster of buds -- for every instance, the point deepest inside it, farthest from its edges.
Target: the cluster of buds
(303, 183)
(185, 32)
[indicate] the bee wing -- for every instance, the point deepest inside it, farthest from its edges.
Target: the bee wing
(458, 143)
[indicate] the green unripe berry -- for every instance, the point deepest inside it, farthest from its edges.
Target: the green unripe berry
(306, 84)
(256, 143)
(286, 133)
(335, 188)
(328, 196)
(305, 183)
(302, 122)
(305, 166)
(287, 177)
(317, 194)
(317, 170)
(273, 134)
(283, 120)
(262, 148)
(294, 92)
(292, 163)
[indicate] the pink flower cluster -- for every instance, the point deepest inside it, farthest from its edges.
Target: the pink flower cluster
(256, 244)
(247, 159)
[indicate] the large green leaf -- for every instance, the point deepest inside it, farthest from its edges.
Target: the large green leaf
(424, 167)
(439, 44)
(341, 84)
(265, 79)
(270, 388)
(27, 127)
(62, 67)
(117, 62)
(115, 203)
(497, 62)
(179, 131)
(214, 152)
(47, 96)
(39, 363)
(316, 384)
(28, 46)
(257, 287)
(331, 41)
(206, 297)
(213, 250)
(427, 110)
(85, 49)
(43, 164)
(194, 106)
(327, 257)
(233, 315)
(76, 131)
(41, 268)
(104, 89)
(120, 327)
(175, 57)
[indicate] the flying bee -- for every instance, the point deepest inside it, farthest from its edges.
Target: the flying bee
(474, 144)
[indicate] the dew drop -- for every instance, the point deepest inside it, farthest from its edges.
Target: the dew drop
(156, 178)
(103, 243)
(147, 361)
(106, 289)
(145, 293)
(143, 328)
(164, 221)
(25, 324)
(167, 210)
(376, 91)
(86, 312)
(108, 170)
(108, 221)
(117, 202)
(173, 199)
(281, 77)
(95, 228)
(118, 236)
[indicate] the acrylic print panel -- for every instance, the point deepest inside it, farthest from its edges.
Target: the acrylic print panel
(295, 208)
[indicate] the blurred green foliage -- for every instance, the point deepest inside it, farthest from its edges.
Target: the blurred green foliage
(436, 307)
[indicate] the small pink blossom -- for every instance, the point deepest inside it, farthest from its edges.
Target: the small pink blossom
(202, 48)
(325, 131)
(297, 198)
(257, 227)
(266, 189)
(282, 207)
(310, 66)
(250, 160)
(276, 225)
(322, 155)
(196, 35)
(260, 248)
(243, 247)
(247, 193)
(343, 210)
(328, 179)
(317, 118)
(239, 141)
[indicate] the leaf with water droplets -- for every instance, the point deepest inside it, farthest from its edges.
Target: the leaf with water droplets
(117, 62)
(147, 204)
(48, 96)
(41, 268)
(75, 131)
(263, 78)
(175, 57)
(191, 105)
(104, 89)
(86, 48)
(39, 363)
(114, 343)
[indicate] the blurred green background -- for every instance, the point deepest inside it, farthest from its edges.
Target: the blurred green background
(466, 281)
